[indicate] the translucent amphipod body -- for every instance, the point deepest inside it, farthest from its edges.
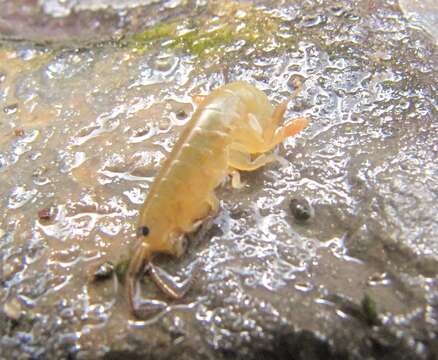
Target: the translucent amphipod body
(234, 128)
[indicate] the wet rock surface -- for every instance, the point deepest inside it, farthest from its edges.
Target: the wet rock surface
(83, 21)
(83, 131)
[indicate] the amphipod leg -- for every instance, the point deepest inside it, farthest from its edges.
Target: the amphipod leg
(197, 98)
(236, 183)
(276, 118)
(242, 161)
(142, 308)
(289, 129)
(139, 265)
(214, 203)
(167, 284)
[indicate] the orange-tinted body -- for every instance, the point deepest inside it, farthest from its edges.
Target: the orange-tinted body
(229, 126)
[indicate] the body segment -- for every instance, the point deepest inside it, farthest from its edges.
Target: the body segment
(229, 127)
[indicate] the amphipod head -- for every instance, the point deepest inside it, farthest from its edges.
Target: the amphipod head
(159, 240)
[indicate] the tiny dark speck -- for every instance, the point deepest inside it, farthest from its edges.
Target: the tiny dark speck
(300, 209)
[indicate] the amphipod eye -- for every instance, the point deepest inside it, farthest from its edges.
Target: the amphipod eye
(143, 231)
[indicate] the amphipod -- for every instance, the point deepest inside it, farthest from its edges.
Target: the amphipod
(234, 128)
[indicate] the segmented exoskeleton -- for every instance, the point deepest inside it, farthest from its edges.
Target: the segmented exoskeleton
(234, 128)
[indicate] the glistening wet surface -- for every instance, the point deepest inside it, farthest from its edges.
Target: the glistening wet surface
(337, 242)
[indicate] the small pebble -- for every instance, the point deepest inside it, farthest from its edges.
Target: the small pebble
(369, 310)
(2, 77)
(181, 114)
(300, 209)
(12, 309)
(8, 271)
(46, 214)
(121, 268)
(104, 271)
(163, 64)
(19, 132)
(295, 82)
(39, 171)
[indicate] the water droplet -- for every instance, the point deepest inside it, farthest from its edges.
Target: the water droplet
(70, 161)
(38, 177)
(27, 54)
(164, 124)
(303, 286)
(172, 4)
(310, 21)
(20, 196)
(378, 279)
(337, 9)
(10, 109)
(352, 17)
(135, 195)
